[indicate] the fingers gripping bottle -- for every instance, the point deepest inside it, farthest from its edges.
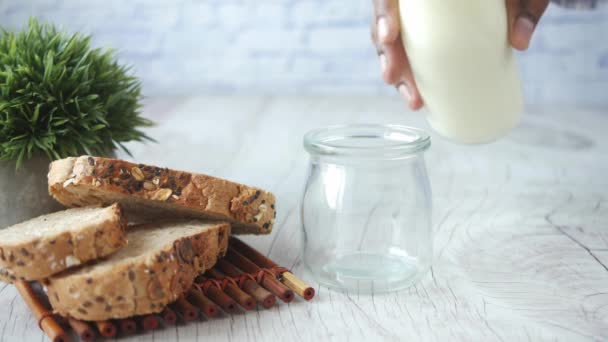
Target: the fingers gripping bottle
(464, 66)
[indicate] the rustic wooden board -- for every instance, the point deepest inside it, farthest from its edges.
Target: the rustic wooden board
(522, 225)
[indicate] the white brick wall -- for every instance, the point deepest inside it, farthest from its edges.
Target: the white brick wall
(300, 46)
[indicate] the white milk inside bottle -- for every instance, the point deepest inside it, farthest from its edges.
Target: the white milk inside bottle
(464, 66)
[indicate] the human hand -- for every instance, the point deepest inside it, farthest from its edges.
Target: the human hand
(522, 18)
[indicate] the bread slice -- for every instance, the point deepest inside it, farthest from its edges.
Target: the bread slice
(148, 192)
(157, 266)
(49, 244)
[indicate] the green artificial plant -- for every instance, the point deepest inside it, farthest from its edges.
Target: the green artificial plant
(60, 97)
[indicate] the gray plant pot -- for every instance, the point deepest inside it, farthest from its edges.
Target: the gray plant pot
(23, 192)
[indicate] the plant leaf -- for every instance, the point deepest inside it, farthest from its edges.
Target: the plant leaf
(60, 97)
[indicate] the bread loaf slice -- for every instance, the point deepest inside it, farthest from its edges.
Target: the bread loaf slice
(154, 269)
(49, 244)
(148, 192)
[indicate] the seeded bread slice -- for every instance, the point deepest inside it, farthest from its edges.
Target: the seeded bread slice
(49, 244)
(148, 192)
(156, 267)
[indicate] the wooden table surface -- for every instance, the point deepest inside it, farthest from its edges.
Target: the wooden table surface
(521, 246)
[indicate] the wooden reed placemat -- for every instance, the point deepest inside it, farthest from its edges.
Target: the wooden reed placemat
(241, 280)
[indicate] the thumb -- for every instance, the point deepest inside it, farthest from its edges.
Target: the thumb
(523, 16)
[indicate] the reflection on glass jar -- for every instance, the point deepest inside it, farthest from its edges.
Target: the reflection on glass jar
(366, 209)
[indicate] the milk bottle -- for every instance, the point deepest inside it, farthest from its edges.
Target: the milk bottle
(464, 66)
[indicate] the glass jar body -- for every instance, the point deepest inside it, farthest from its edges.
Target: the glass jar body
(367, 223)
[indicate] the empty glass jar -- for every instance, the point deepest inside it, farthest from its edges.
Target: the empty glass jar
(366, 209)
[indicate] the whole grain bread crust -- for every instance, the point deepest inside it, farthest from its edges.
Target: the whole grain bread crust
(36, 259)
(85, 180)
(138, 288)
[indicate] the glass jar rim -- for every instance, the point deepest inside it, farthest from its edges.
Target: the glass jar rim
(386, 141)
